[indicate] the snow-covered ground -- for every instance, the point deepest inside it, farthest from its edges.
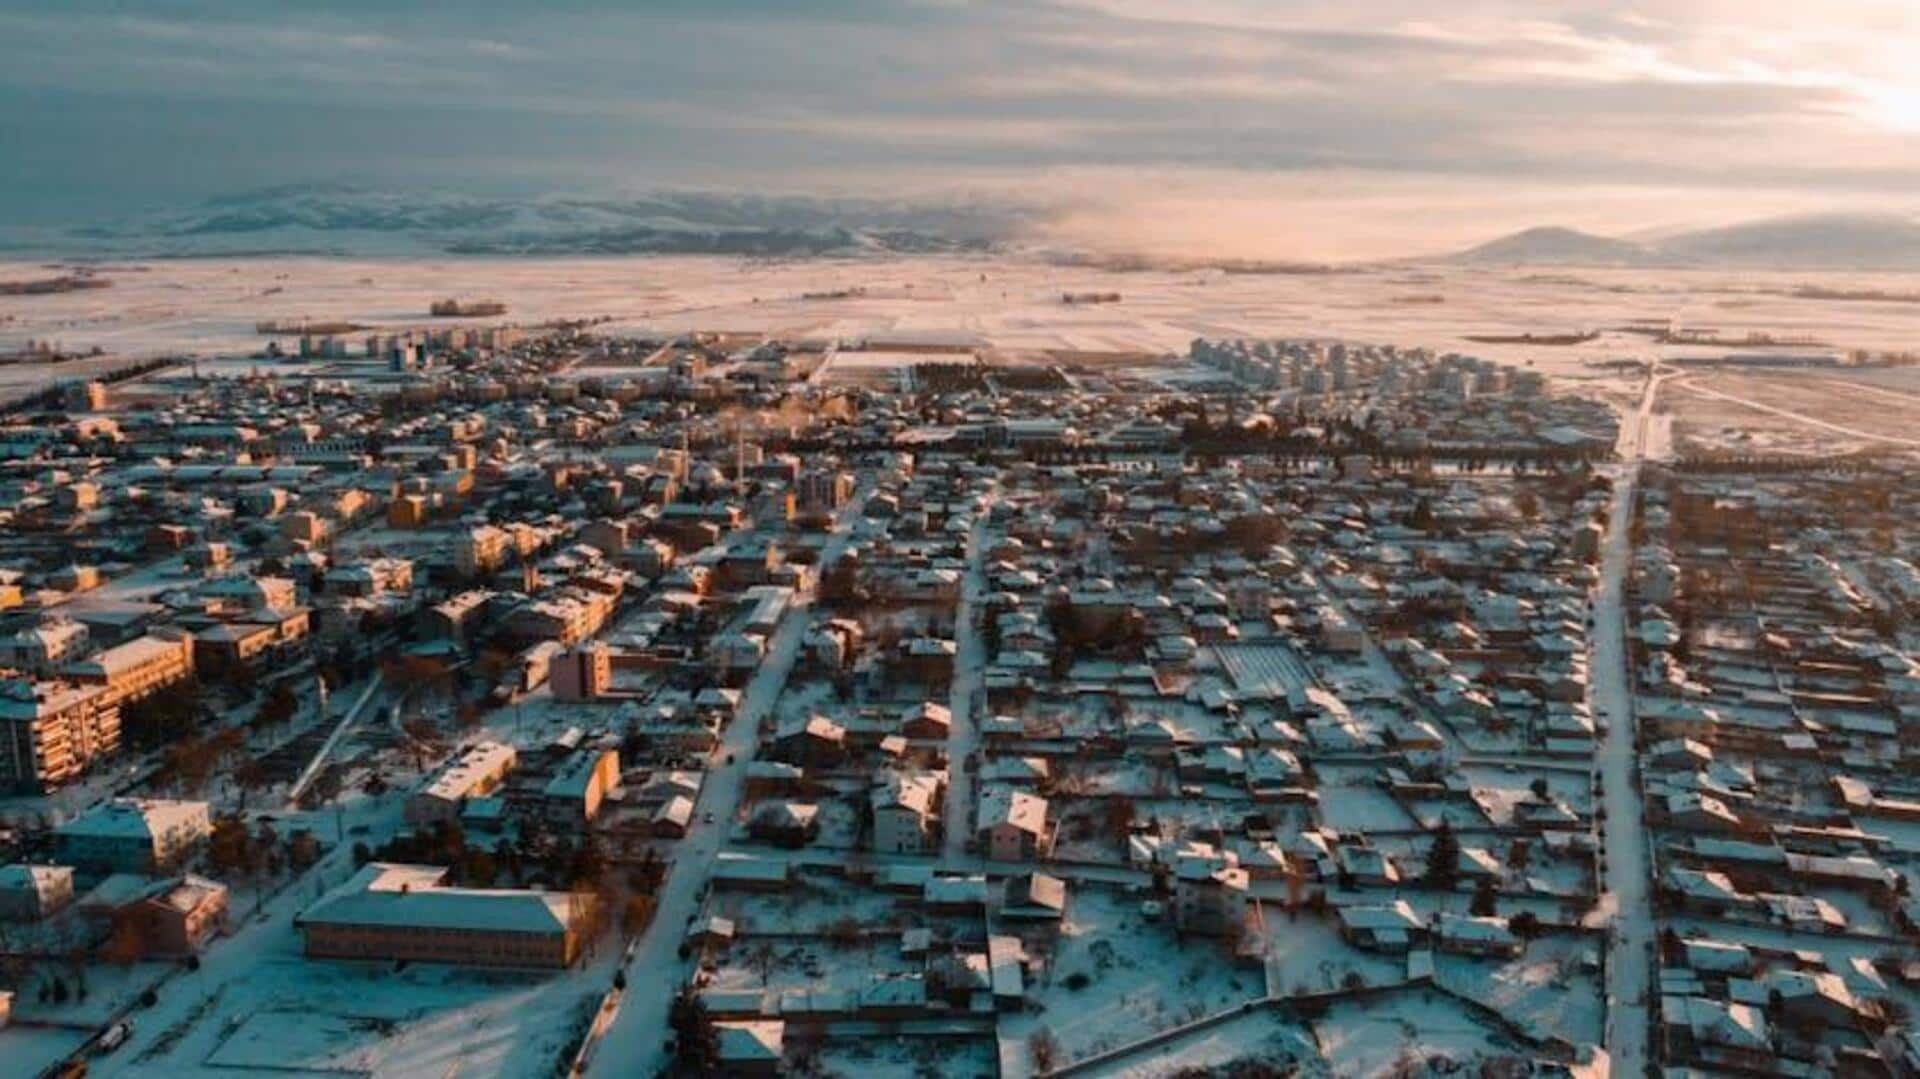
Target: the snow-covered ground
(1134, 977)
(1260, 1035)
(256, 1001)
(209, 306)
(1376, 1038)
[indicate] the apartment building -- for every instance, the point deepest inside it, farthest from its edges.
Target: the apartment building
(573, 797)
(136, 669)
(51, 731)
(268, 632)
(43, 648)
(582, 674)
(567, 617)
(481, 550)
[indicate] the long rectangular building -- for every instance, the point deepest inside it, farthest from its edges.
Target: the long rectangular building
(390, 911)
(138, 668)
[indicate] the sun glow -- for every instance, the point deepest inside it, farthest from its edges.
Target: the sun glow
(1897, 107)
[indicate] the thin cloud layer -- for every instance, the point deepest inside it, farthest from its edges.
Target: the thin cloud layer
(1137, 113)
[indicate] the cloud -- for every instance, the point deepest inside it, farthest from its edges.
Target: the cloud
(1687, 102)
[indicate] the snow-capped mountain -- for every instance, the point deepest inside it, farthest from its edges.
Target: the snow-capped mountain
(342, 219)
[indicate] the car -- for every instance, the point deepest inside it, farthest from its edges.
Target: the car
(707, 817)
(116, 1036)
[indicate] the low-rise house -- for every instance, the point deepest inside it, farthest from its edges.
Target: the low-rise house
(1367, 866)
(945, 894)
(928, 719)
(479, 770)
(1716, 1030)
(673, 818)
(812, 742)
(1812, 997)
(572, 798)
(785, 823)
(904, 812)
(1391, 928)
(1705, 891)
(1012, 825)
(750, 1046)
(1463, 935)
(1034, 897)
(751, 872)
(29, 893)
(1211, 895)
(170, 919)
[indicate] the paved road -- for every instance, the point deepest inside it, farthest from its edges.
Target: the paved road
(1630, 931)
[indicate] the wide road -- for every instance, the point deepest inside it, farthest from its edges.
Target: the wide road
(1626, 898)
(634, 1039)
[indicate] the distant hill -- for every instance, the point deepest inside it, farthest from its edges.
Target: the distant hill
(1814, 242)
(1553, 245)
(1810, 242)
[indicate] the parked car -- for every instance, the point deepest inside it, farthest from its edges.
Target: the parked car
(116, 1036)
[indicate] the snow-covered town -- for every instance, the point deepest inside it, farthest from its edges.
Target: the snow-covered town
(515, 701)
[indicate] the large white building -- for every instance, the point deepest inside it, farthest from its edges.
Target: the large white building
(134, 835)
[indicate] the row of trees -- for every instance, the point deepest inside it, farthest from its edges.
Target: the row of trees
(554, 861)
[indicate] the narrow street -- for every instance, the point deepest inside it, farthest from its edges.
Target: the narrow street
(633, 1041)
(1625, 897)
(966, 692)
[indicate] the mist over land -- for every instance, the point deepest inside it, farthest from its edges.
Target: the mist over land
(356, 221)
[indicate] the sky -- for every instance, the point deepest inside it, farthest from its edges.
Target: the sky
(1316, 128)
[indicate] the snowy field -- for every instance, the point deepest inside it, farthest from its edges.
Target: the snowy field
(423, 1021)
(209, 306)
(932, 1058)
(291, 1014)
(1137, 978)
(1553, 990)
(1306, 955)
(1374, 1037)
(1260, 1035)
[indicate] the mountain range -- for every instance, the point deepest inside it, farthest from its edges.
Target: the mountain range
(348, 220)
(339, 219)
(1886, 242)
